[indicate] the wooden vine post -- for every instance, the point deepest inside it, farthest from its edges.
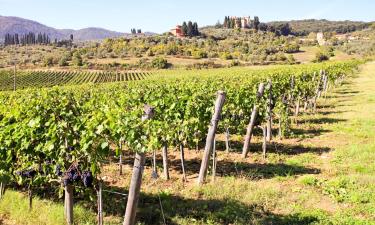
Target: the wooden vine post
(154, 166)
(165, 161)
(298, 103)
(120, 160)
(100, 203)
(250, 127)
(214, 161)
(182, 156)
(69, 204)
(136, 180)
(30, 195)
(211, 137)
(227, 137)
(264, 145)
(269, 113)
(325, 85)
(2, 185)
(318, 89)
(14, 77)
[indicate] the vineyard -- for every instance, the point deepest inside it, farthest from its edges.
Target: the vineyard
(61, 137)
(31, 79)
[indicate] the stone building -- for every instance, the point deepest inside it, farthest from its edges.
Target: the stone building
(244, 22)
(320, 38)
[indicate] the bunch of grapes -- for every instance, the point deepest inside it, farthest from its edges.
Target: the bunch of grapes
(87, 178)
(28, 173)
(74, 174)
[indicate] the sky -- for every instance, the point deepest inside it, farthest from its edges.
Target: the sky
(161, 15)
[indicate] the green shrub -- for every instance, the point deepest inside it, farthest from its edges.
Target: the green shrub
(199, 54)
(235, 63)
(226, 56)
(159, 63)
(48, 61)
(291, 48)
(63, 61)
(321, 56)
(77, 59)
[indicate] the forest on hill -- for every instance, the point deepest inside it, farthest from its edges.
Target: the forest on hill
(305, 27)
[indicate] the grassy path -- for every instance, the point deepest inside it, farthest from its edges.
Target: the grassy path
(325, 174)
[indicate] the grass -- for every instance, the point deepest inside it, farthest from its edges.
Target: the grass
(14, 208)
(308, 53)
(324, 174)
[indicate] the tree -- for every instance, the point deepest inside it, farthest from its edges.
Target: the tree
(184, 28)
(225, 24)
(71, 37)
(63, 61)
(321, 56)
(218, 25)
(195, 29)
(256, 23)
(238, 23)
(283, 29)
(16, 40)
(159, 63)
(229, 23)
(77, 59)
(190, 29)
(48, 61)
(265, 27)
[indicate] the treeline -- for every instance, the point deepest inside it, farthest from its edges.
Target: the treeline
(26, 39)
(190, 29)
(305, 27)
(136, 31)
(282, 29)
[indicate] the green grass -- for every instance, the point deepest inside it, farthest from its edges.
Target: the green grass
(14, 207)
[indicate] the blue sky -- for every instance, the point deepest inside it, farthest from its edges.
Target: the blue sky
(161, 15)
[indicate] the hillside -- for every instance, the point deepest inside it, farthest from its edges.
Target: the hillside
(304, 27)
(21, 26)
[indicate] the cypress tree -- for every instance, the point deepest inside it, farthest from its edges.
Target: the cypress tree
(195, 29)
(184, 29)
(190, 29)
(17, 42)
(256, 23)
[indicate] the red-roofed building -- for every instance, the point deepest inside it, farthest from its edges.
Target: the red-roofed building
(178, 31)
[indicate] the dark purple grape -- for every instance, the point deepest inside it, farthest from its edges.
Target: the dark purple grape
(66, 181)
(58, 171)
(70, 175)
(76, 177)
(87, 178)
(28, 173)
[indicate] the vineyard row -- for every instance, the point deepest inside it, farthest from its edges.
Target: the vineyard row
(37, 79)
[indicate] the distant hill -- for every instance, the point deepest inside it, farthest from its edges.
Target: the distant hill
(304, 27)
(21, 26)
